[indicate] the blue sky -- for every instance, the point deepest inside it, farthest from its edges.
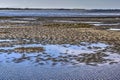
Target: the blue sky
(86, 4)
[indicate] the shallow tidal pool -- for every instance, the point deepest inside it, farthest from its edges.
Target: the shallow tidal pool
(57, 54)
(57, 61)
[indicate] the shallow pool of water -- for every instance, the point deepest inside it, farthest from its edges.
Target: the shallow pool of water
(7, 40)
(114, 29)
(55, 54)
(101, 24)
(61, 61)
(4, 26)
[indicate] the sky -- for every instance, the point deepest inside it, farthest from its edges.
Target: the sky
(79, 4)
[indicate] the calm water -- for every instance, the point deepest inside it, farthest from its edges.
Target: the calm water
(57, 13)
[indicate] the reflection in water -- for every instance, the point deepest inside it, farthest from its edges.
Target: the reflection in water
(54, 55)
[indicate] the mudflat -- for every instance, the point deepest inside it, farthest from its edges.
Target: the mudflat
(68, 47)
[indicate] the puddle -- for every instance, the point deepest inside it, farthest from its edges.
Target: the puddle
(4, 26)
(50, 54)
(90, 22)
(17, 21)
(7, 40)
(100, 24)
(114, 29)
(13, 21)
(25, 19)
(66, 21)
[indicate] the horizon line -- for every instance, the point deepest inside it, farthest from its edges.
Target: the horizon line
(58, 8)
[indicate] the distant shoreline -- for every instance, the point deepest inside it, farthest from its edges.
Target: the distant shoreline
(58, 9)
(39, 9)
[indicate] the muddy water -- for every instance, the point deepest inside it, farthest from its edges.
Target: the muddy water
(88, 61)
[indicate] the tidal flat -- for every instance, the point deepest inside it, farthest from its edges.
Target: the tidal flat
(55, 48)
